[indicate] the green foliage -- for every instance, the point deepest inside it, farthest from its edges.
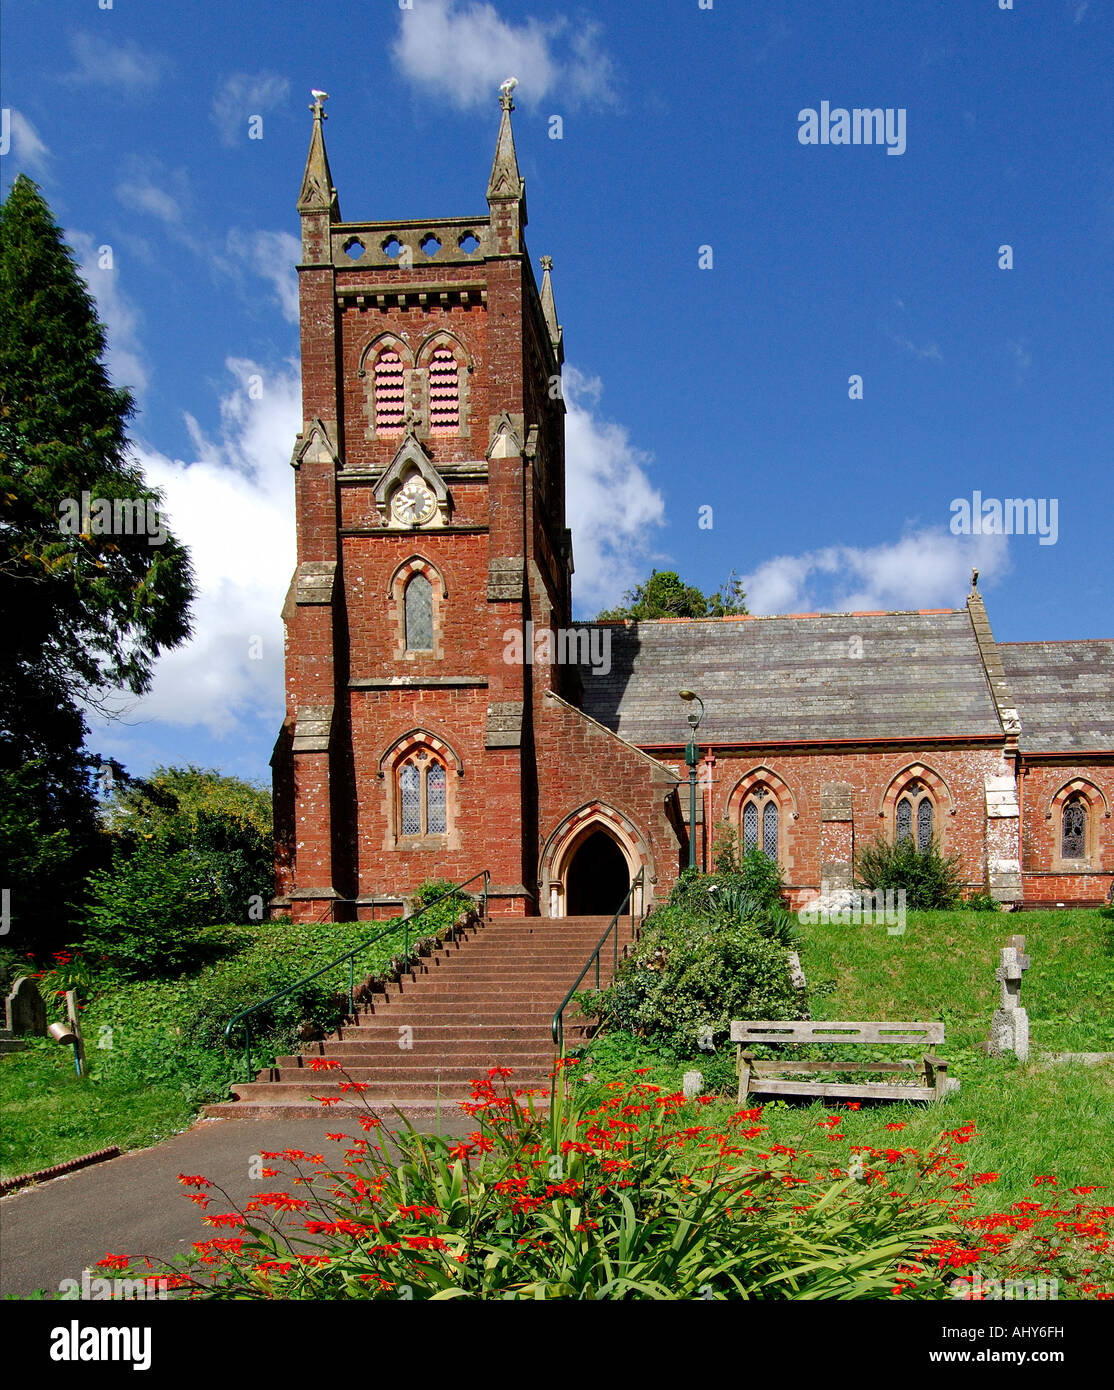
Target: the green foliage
(222, 824)
(543, 1207)
(930, 879)
(981, 902)
(689, 976)
(752, 891)
(84, 614)
(666, 595)
(221, 995)
(150, 914)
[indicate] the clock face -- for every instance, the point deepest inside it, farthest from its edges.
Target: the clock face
(413, 503)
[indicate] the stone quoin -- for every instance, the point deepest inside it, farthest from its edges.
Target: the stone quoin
(430, 496)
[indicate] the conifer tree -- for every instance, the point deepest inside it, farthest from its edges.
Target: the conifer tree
(87, 607)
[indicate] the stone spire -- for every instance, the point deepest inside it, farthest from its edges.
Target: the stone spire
(506, 189)
(549, 309)
(318, 194)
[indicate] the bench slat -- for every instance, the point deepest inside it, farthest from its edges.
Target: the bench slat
(867, 1091)
(765, 1067)
(833, 1031)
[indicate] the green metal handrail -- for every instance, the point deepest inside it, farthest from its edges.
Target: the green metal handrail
(350, 956)
(639, 881)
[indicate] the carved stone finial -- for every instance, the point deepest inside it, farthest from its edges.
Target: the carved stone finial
(547, 262)
(974, 581)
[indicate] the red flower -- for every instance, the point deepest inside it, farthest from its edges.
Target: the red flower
(323, 1064)
(193, 1182)
(113, 1262)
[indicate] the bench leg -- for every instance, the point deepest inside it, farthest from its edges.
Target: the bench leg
(743, 1064)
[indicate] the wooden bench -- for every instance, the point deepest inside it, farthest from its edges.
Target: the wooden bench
(775, 1076)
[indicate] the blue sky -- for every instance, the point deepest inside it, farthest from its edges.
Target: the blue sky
(688, 387)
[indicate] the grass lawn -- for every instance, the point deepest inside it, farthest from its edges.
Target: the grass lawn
(146, 1077)
(1032, 1120)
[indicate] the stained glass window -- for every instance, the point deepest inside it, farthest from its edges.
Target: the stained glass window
(904, 819)
(924, 825)
(410, 800)
(1073, 842)
(750, 826)
(769, 829)
(435, 799)
(419, 614)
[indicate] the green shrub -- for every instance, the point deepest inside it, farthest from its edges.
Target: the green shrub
(149, 915)
(215, 1000)
(687, 980)
(981, 902)
(929, 878)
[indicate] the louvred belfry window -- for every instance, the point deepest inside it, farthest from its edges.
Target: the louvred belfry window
(390, 392)
(444, 392)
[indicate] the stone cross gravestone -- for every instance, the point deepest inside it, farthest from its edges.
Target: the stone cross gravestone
(1009, 1029)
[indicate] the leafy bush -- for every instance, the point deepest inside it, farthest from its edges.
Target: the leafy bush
(219, 997)
(150, 914)
(982, 902)
(753, 894)
(688, 978)
(930, 879)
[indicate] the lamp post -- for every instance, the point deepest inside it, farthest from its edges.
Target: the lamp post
(692, 754)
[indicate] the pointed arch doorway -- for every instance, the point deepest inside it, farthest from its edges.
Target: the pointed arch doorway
(589, 863)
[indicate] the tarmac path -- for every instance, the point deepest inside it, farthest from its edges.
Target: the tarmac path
(135, 1205)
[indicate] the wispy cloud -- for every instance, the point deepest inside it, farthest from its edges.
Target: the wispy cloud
(28, 149)
(926, 569)
(1022, 358)
(612, 543)
(242, 96)
(464, 50)
(930, 352)
(119, 63)
(125, 358)
(272, 255)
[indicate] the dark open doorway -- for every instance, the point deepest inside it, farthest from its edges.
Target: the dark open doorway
(598, 877)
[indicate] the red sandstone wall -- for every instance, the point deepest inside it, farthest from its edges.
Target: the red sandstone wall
(1048, 879)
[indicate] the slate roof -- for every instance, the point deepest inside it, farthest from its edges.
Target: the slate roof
(1064, 693)
(794, 680)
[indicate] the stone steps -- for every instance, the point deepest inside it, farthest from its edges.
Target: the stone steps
(485, 1000)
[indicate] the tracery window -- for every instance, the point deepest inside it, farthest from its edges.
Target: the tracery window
(760, 823)
(422, 800)
(1073, 829)
(913, 817)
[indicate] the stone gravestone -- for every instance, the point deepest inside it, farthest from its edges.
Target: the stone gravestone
(1009, 1029)
(24, 1010)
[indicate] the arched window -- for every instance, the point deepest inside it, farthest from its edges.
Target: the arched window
(913, 817)
(422, 800)
(1073, 829)
(390, 391)
(419, 614)
(760, 823)
(444, 392)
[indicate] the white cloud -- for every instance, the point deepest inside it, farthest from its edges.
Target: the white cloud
(127, 365)
(242, 96)
(28, 149)
(465, 49)
(234, 510)
(612, 506)
(927, 569)
(117, 63)
(272, 255)
(930, 352)
(1023, 358)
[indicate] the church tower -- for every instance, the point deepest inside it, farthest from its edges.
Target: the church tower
(430, 496)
